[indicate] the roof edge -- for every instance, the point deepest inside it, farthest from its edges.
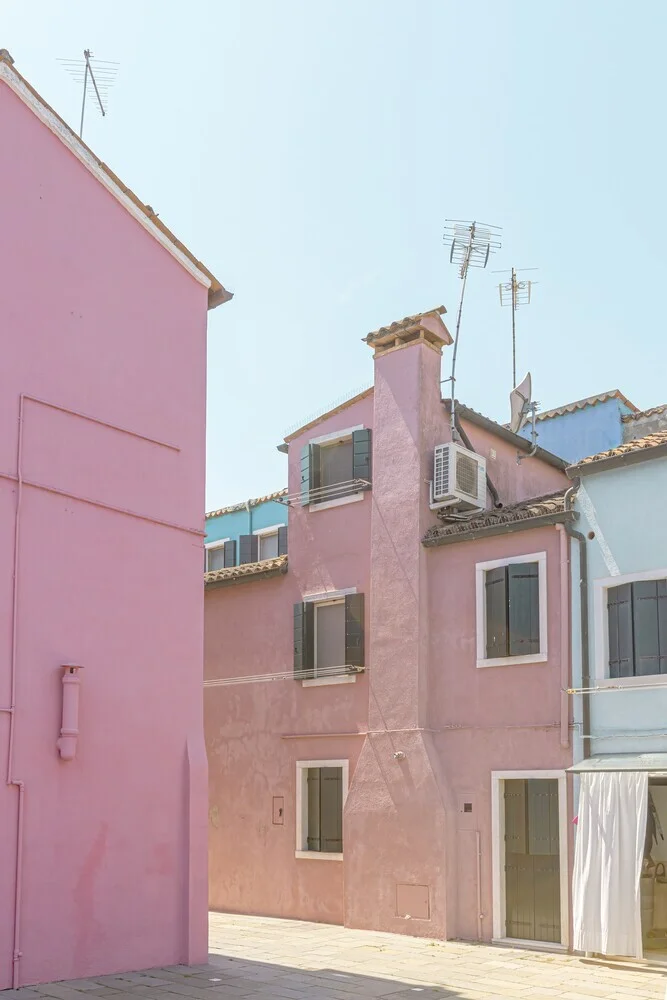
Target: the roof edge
(465, 413)
(217, 294)
(243, 504)
(524, 524)
(581, 404)
(251, 571)
(328, 413)
(617, 461)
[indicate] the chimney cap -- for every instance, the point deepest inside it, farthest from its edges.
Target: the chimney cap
(427, 327)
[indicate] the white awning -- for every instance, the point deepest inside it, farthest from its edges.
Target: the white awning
(656, 763)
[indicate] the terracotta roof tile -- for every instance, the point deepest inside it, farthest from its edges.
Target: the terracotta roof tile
(403, 325)
(629, 448)
(580, 404)
(550, 505)
(243, 505)
(267, 567)
(653, 411)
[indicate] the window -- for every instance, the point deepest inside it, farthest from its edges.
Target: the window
(265, 543)
(511, 611)
(637, 628)
(321, 787)
(336, 468)
(219, 555)
(328, 636)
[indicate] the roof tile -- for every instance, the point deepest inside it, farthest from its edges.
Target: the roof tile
(580, 404)
(244, 504)
(652, 411)
(641, 444)
(551, 503)
(266, 567)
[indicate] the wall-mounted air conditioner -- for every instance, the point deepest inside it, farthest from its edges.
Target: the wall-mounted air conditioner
(459, 478)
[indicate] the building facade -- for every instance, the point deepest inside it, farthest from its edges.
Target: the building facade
(102, 389)
(248, 532)
(385, 705)
(586, 427)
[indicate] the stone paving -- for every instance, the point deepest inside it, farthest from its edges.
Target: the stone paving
(256, 958)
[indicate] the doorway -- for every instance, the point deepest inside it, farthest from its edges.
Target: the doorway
(530, 903)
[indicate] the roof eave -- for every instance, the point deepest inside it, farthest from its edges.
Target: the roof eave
(617, 461)
(487, 531)
(246, 577)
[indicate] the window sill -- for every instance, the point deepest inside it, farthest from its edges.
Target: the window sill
(646, 680)
(317, 856)
(324, 681)
(338, 502)
(511, 661)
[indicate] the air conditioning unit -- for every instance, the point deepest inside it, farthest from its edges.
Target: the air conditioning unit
(459, 478)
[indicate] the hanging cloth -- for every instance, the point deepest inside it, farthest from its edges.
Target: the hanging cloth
(608, 857)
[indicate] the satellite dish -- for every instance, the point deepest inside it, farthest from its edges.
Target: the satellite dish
(520, 400)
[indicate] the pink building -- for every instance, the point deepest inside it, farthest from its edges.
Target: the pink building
(402, 766)
(102, 389)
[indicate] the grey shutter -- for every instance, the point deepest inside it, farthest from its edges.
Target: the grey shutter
(542, 816)
(361, 455)
(310, 471)
(282, 540)
(495, 586)
(230, 553)
(649, 615)
(523, 592)
(314, 796)
(331, 809)
(248, 549)
(619, 621)
(515, 816)
(304, 632)
(354, 630)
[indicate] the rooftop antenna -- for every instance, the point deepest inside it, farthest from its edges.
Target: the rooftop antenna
(101, 75)
(470, 245)
(515, 293)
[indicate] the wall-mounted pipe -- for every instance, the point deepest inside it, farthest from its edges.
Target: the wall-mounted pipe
(480, 915)
(564, 636)
(69, 730)
(583, 607)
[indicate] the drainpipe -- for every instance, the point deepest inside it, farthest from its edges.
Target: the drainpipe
(489, 485)
(565, 640)
(583, 600)
(249, 509)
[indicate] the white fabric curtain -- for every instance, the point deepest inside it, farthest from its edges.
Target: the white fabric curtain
(608, 857)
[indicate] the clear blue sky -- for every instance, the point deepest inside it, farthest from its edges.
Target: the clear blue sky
(309, 152)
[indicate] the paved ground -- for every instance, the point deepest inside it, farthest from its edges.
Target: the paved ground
(254, 958)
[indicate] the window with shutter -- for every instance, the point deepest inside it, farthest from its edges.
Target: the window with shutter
(336, 467)
(509, 608)
(637, 628)
(282, 540)
(323, 809)
(215, 557)
(354, 630)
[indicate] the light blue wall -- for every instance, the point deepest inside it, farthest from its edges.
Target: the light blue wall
(584, 432)
(629, 507)
(240, 522)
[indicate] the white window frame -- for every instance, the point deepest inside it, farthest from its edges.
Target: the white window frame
(601, 632)
(498, 779)
(332, 597)
(218, 544)
(273, 529)
(480, 583)
(302, 766)
(329, 439)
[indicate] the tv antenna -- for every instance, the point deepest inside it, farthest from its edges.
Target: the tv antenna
(102, 75)
(515, 293)
(523, 408)
(470, 245)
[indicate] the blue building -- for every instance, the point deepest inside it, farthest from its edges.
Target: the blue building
(585, 427)
(619, 691)
(247, 532)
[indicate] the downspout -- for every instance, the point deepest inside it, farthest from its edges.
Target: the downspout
(565, 642)
(583, 602)
(11, 711)
(249, 509)
(466, 440)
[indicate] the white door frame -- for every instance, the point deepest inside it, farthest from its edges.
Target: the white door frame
(498, 852)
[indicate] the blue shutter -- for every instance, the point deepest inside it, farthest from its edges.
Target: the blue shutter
(649, 613)
(619, 621)
(523, 599)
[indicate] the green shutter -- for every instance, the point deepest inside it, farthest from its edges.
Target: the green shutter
(331, 809)
(310, 472)
(362, 455)
(304, 641)
(515, 816)
(523, 585)
(354, 630)
(229, 554)
(495, 586)
(248, 550)
(542, 816)
(282, 540)
(619, 619)
(314, 796)
(649, 612)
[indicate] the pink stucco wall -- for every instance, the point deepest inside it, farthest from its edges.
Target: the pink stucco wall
(99, 319)
(422, 695)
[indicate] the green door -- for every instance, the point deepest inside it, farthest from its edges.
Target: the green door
(532, 860)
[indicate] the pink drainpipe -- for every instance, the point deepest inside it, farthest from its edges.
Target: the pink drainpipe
(69, 731)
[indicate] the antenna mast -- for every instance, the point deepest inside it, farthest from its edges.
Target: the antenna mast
(471, 244)
(515, 293)
(102, 78)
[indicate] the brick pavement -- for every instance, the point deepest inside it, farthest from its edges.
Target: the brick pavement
(255, 958)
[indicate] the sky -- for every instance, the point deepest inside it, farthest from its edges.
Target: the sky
(310, 151)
